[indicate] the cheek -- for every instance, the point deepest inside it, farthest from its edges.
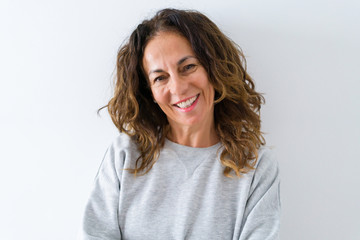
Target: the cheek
(211, 95)
(208, 87)
(159, 95)
(210, 92)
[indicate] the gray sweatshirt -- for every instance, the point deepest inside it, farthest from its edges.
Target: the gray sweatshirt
(184, 196)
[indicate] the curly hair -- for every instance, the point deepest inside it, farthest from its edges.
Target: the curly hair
(237, 104)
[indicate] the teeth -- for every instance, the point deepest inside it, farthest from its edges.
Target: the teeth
(187, 103)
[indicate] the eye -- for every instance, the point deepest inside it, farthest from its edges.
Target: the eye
(189, 67)
(159, 78)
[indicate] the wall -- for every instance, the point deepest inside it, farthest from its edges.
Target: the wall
(57, 62)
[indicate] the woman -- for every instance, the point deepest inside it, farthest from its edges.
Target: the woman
(189, 162)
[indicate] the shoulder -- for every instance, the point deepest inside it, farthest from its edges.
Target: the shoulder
(266, 168)
(123, 142)
(266, 160)
(121, 152)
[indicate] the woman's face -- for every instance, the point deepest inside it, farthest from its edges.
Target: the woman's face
(179, 83)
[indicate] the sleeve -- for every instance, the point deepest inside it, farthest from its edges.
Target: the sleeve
(100, 220)
(262, 211)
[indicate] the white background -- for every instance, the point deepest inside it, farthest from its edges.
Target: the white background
(57, 63)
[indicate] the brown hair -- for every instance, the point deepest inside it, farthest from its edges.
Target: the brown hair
(237, 104)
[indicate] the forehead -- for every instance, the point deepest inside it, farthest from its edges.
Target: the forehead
(166, 48)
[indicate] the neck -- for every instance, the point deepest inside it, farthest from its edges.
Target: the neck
(200, 136)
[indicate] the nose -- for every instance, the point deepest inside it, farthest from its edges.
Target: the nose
(178, 85)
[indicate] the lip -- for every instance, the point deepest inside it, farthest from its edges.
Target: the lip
(183, 100)
(188, 109)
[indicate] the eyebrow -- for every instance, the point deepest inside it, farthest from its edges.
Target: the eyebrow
(178, 63)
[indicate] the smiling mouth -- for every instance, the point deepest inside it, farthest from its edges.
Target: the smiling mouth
(187, 103)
